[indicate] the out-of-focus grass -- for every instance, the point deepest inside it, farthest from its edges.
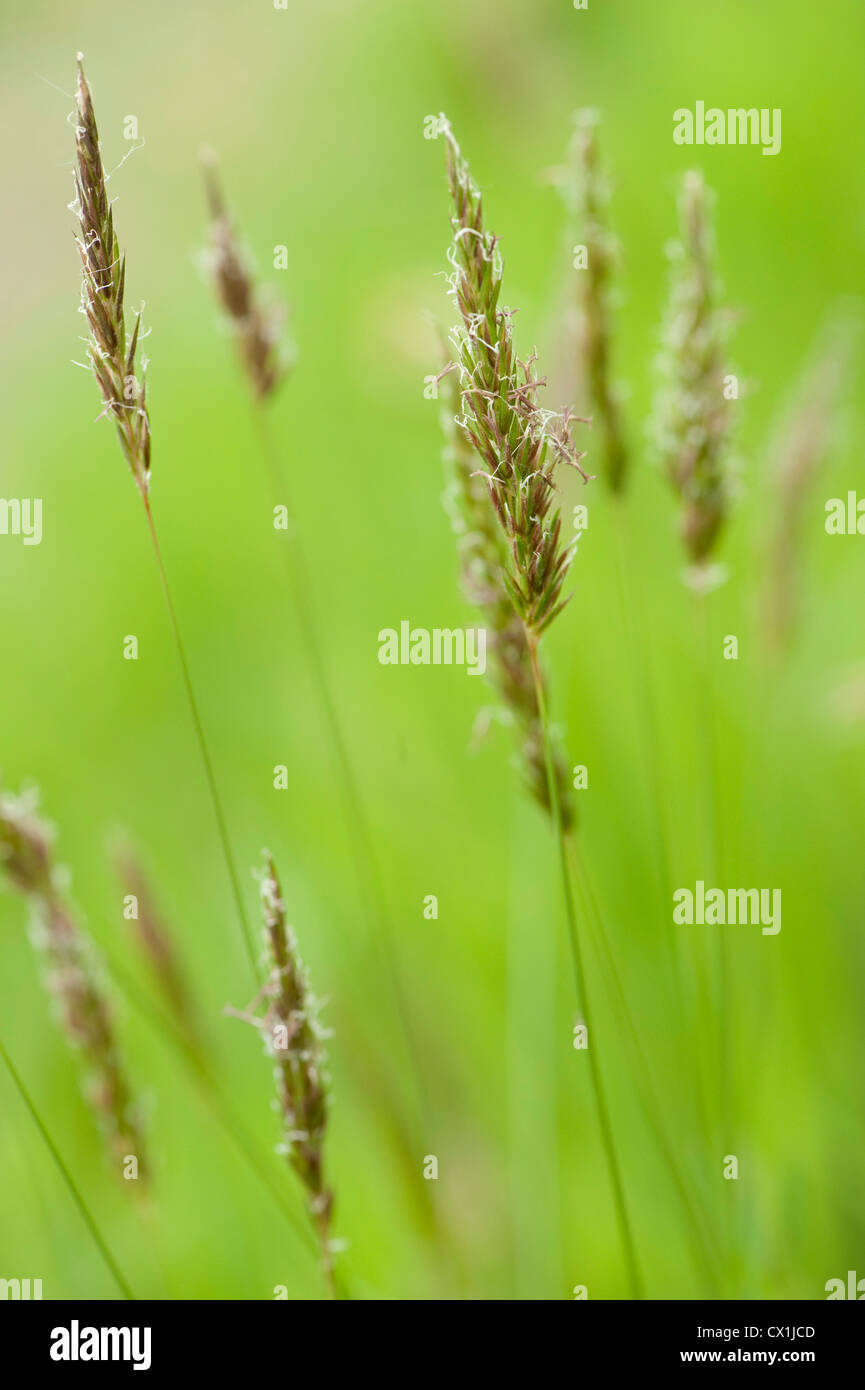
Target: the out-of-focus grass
(317, 114)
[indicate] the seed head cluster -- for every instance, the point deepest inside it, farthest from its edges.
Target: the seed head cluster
(693, 418)
(585, 191)
(104, 281)
(294, 1038)
(26, 856)
(255, 324)
(483, 558)
(518, 444)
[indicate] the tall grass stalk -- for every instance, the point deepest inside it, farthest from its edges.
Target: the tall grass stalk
(684, 1000)
(357, 825)
(75, 1192)
(519, 446)
(255, 325)
(723, 1007)
(604, 1122)
(121, 382)
(537, 1231)
(693, 422)
(633, 627)
(585, 191)
(207, 761)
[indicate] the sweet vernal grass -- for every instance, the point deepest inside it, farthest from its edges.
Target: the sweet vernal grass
(692, 424)
(693, 417)
(113, 358)
(294, 1039)
(26, 858)
(72, 978)
(482, 558)
(519, 446)
(585, 192)
(254, 324)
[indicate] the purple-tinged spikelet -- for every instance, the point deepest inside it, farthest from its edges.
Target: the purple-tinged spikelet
(585, 192)
(255, 324)
(71, 976)
(693, 417)
(294, 1039)
(483, 558)
(518, 444)
(112, 357)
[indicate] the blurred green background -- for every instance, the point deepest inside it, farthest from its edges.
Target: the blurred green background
(317, 114)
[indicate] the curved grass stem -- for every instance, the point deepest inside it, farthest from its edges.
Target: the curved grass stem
(209, 773)
(82, 1206)
(604, 1122)
(369, 878)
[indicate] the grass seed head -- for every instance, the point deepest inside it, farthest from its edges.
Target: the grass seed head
(256, 325)
(72, 977)
(692, 417)
(585, 191)
(112, 357)
(483, 558)
(518, 444)
(294, 1038)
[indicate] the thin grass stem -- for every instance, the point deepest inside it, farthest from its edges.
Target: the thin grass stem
(77, 1197)
(703, 1237)
(635, 626)
(714, 850)
(629, 1247)
(368, 874)
(202, 743)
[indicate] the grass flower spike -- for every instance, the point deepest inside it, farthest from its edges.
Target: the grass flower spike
(519, 446)
(113, 363)
(586, 195)
(26, 855)
(103, 286)
(265, 362)
(483, 558)
(294, 1039)
(518, 443)
(692, 415)
(255, 324)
